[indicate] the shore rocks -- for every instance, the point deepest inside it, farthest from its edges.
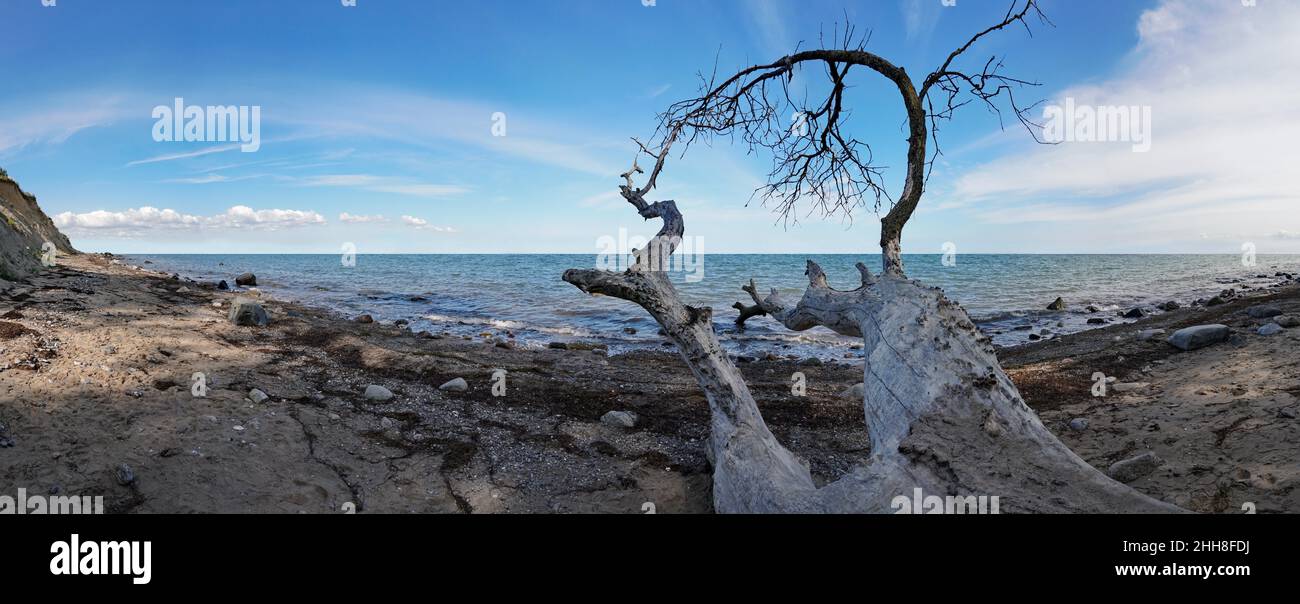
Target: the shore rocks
(257, 396)
(619, 419)
(1263, 311)
(854, 392)
(223, 286)
(1078, 424)
(1134, 468)
(1271, 329)
(456, 385)
(125, 475)
(246, 280)
(248, 313)
(1147, 334)
(1287, 321)
(1097, 321)
(1058, 305)
(365, 319)
(1170, 306)
(1200, 336)
(1136, 313)
(378, 393)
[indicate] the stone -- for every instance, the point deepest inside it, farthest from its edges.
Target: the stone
(1263, 311)
(854, 392)
(365, 319)
(1170, 306)
(125, 475)
(378, 393)
(1058, 304)
(1136, 313)
(1271, 329)
(1149, 334)
(1078, 424)
(619, 419)
(1286, 321)
(257, 396)
(1200, 336)
(248, 313)
(1134, 468)
(456, 385)
(1097, 321)
(223, 286)
(246, 280)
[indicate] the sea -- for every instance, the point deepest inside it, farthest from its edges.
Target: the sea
(522, 297)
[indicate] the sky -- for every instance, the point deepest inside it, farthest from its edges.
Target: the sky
(501, 126)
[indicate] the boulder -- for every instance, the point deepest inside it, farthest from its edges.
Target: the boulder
(1271, 329)
(1287, 321)
(378, 393)
(1134, 468)
(1263, 311)
(1200, 336)
(1136, 313)
(246, 280)
(456, 385)
(619, 419)
(1170, 306)
(1097, 321)
(248, 313)
(366, 319)
(257, 396)
(1058, 305)
(1078, 424)
(223, 286)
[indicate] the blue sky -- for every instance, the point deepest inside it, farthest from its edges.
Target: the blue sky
(387, 109)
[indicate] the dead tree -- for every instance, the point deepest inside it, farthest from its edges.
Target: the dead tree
(941, 413)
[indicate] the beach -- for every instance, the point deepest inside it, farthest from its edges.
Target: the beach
(100, 360)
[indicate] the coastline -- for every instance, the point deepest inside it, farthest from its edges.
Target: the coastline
(98, 359)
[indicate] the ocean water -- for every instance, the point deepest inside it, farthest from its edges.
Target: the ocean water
(523, 295)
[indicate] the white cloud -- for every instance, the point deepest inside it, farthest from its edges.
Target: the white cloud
(1216, 76)
(350, 218)
(137, 222)
(422, 224)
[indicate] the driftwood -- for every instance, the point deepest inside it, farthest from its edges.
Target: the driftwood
(941, 413)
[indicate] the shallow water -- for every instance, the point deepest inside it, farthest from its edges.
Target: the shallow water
(523, 294)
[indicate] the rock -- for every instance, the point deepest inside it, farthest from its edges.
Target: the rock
(1215, 301)
(1200, 336)
(854, 392)
(811, 362)
(1097, 321)
(223, 286)
(557, 346)
(401, 323)
(365, 319)
(246, 280)
(1078, 424)
(125, 475)
(619, 419)
(1287, 321)
(257, 396)
(1136, 313)
(378, 393)
(1148, 334)
(1035, 337)
(631, 331)
(456, 385)
(1134, 468)
(1263, 311)
(216, 304)
(1170, 306)
(1059, 304)
(1271, 329)
(1286, 413)
(1092, 309)
(248, 313)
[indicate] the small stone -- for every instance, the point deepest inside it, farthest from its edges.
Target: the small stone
(1148, 334)
(125, 475)
(223, 286)
(1058, 305)
(1170, 306)
(1078, 424)
(619, 419)
(1097, 321)
(456, 385)
(1263, 311)
(557, 346)
(1134, 468)
(1286, 321)
(854, 392)
(811, 362)
(246, 280)
(1136, 313)
(1271, 329)
(631, 331)
(365, 319)
(378, 393)
(257, 396)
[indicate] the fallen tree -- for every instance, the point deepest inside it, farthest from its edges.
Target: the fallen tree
(941, 413)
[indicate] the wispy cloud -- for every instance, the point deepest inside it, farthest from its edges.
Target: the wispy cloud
(380, 184)
(141, 221)
(422, 224)
(354, 219)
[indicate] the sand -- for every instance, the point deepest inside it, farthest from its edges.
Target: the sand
(98, 360)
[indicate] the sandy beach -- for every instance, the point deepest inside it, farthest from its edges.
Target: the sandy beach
(97, 362)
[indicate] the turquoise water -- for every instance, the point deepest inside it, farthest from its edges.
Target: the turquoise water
(524, 296)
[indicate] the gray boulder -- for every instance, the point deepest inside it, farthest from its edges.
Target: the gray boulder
(257, 396)
(619, 419)
(1263, 311)
(1287, 321)
(246, 280)
(1200, 336)
(1078, 424)
(248, 313)
(456, 385)
(1057, 305)
(1134, 468)
(378, 393)
(1271, 329)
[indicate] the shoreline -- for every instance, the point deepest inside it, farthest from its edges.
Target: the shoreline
(99, 367)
